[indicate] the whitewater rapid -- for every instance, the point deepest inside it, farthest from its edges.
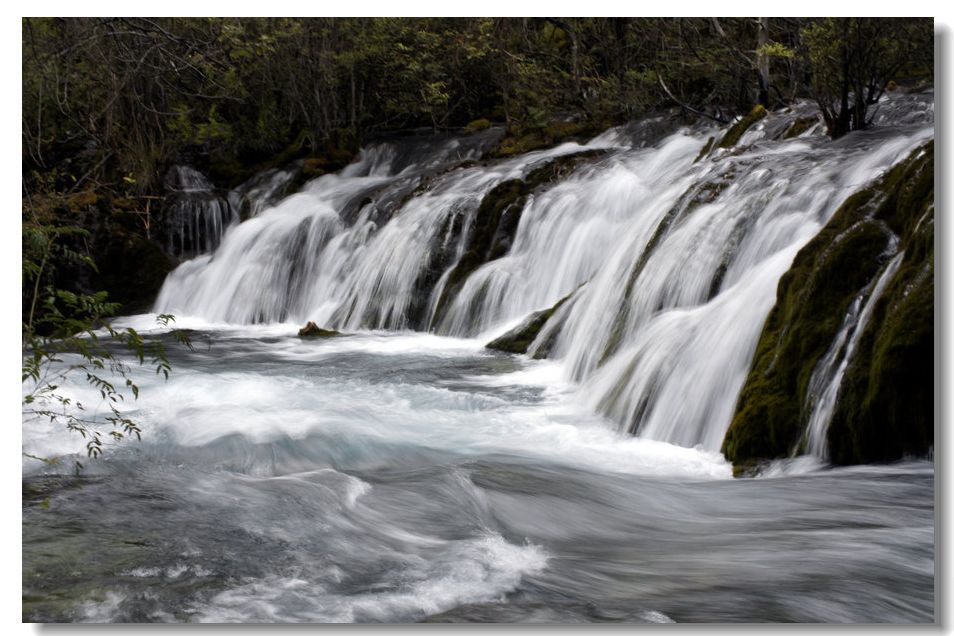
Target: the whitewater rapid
(671, 256)
(385, 477)
(404, 472)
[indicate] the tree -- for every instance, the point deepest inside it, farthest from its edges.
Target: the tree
(854, 59)
(762, 62)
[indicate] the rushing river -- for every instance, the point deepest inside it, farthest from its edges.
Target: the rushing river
(403, 472)
(409, 477)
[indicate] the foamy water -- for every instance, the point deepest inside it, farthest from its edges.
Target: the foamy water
(394, 475)
(405, 477)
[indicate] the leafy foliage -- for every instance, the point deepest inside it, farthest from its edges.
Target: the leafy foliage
(123, 96)
(65, 334)
(47, 363)
(854, 59)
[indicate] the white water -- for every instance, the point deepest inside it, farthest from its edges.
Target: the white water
(676, 262)
(826, 379)
(400, 477)
(195, 408)
(260, 192)
(196, 217)
(391, 476)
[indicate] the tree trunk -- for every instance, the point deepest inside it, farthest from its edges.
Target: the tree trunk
(571, 33)
(762, 62)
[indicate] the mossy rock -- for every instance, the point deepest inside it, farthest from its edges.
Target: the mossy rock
(477, 125)
(338, 157)
(799, 126)
(885, 409)
(519, 339)
(311, 330)
(885, 406)
(705, 150)
(565, 130)
(314, 166)
(511, 146)
(732, 136)
(706, 192)
(518, 141)
(82, 200)
(503, 205)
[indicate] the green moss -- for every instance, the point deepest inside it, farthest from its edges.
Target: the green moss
(81, 200)
(813, 297)
(909, 194)
(518, 141)
(311, 330)
(477, 125)
(799, 126)
(510, 146)
(705, 150)
(885, 408)
(519, 339)
(735, 133)
(560, 130)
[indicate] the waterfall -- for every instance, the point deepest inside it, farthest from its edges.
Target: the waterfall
(303, 260)
(825, 383)
(196, 216)
(663, 336)
(262, 190)
(672, 255)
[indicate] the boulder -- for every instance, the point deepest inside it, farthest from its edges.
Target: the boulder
(519, 339)
(884, 410)
(311, 330)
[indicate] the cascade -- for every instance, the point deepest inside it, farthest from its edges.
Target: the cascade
(826, 378)
(196, 216)
(261, 191)
(671, 252)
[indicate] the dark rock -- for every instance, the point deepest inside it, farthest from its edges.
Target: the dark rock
(738, 129)
(799, 126)
(705, 150)
(477, 125)
(521, 141)
(311, 330)
(885, 406)
(519, 339)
